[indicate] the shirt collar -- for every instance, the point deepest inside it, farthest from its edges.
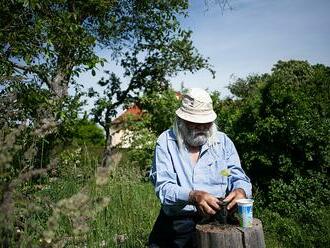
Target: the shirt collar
(205, 147)
(171, 135)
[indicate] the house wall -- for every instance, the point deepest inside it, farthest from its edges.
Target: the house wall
(121, 138)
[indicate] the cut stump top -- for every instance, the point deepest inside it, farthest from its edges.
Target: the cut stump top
(215, 235)
(216, 228)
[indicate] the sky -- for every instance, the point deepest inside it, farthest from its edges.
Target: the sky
(251, 38)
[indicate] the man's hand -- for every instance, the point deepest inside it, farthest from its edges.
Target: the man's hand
(205, 202)
(235, 195)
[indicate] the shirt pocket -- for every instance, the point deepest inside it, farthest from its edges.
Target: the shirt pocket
(214, 170)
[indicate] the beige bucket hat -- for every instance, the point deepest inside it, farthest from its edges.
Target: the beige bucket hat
(196, 106)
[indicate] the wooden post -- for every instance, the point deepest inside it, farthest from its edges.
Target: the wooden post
(230, 236)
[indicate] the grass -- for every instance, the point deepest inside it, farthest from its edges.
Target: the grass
(128, 219)
(125, 222)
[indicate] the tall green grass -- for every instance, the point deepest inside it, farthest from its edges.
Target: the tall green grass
(125, 222)
(128, 219)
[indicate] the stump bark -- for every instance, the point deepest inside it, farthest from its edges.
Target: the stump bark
(230, 236)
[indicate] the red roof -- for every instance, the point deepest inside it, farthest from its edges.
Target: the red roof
(178, 95)
(134, 112)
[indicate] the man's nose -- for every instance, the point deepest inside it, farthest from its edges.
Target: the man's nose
(201, 127)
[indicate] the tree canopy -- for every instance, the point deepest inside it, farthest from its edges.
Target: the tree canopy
(49, 42)
(282, 125)
(45, 45)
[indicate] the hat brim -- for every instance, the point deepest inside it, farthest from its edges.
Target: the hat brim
(196, 118)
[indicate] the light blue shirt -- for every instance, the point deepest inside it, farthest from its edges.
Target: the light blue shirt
(174, 176)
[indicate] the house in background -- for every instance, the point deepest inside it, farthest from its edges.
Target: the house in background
(118, 129)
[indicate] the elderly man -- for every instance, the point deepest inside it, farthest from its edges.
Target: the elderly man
(194, 164)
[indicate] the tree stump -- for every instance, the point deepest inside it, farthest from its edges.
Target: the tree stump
(230, 236)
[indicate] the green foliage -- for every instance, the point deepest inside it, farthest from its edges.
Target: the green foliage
(300, 197)
(157, 47)
(71, 166)
(88, 133)
(70, 210)
(140, 153)
(160, 109)
(44, 46)
(283, 231)
(282, 228)
(305, 201)
(131, 215)
(34, 127)
(57, 206)
(280, 125)
(158, 115)
(47, 44)
(78, 211)
(21, 102)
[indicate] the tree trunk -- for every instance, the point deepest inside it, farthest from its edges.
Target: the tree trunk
(106, 158)
(59, 87)
(230, 236)
(59, 84)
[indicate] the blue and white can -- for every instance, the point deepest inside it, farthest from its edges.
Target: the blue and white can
(245, 212)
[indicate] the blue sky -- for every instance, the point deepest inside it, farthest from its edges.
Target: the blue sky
(254, 36)
(250, 39)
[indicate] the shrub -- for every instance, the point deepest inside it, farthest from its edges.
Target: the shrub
(279, 123)
(138, 157)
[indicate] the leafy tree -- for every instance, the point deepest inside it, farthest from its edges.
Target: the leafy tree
(45, 45)
(280, 125)
(159, 50)
(48, 43)
(160, 109)
(280, 121)
(88, 133)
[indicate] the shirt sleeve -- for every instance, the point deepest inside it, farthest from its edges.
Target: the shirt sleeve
(164, 178)
(237, 177)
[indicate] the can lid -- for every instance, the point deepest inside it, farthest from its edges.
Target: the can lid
(245, 201)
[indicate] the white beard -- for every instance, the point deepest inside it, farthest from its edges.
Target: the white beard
(196, 140)
(194, 137)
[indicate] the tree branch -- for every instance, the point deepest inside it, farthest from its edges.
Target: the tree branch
(31, 69)
(124, 94)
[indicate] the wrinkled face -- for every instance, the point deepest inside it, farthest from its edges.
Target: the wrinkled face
(196, 134)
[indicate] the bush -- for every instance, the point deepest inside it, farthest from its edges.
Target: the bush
(301, 203)
(279, 123)
(139, 155)
(88, 133)
(301, 198)
(283, 231)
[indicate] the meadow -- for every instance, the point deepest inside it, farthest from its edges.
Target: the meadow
(125, 220)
